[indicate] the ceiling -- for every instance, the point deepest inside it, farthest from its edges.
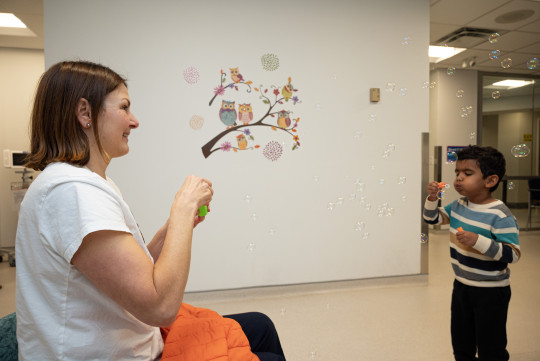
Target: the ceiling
(470, 21)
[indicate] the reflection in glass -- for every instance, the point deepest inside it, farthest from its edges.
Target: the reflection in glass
(510, 123)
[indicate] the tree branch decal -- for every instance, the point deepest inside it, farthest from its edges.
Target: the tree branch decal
(276, 120)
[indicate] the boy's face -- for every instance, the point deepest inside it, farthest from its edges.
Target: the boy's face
(470, 181)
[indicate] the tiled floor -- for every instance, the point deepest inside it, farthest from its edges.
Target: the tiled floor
(404, 318)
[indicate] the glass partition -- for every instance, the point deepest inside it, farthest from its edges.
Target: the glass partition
(510, 117)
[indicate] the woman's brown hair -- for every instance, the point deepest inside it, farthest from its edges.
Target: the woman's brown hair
(55, 132)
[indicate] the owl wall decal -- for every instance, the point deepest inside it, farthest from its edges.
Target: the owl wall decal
(235, 75)
(283, 119)
(227, 113)
(287, 90)
(245, 113)
(242, 141)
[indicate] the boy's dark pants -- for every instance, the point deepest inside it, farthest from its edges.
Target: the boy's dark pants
(478, 322)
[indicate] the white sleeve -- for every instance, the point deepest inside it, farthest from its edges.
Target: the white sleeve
(73, 210)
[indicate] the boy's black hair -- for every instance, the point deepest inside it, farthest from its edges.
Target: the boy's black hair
(489, 160)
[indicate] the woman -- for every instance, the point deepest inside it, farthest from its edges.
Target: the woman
(88, 287)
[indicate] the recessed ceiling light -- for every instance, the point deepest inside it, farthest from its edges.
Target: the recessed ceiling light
(8, 20)
(439, 53)
(510, 83)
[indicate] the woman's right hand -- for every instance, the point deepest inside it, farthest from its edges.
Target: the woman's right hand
(433, 191)
(194, 193)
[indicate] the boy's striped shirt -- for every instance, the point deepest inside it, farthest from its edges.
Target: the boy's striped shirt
(485, 264)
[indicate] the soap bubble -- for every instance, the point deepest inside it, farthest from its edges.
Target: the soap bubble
(339, 201)
(451, 71)
(390, 87)
(459, 93)
(496, 94)
(402, 180)
(506, 63)
(494, 37)
(381, 181)
(254, 217)
(494, 54)
(357, 134)
(423, 238)
(520, 150)
(510, 185)
(404, 199)
(313, 355)
(330, 206)
(451, 157)
(283, 311)
(405, 40)
(384, 210)
(359, 226)
(372, 117)
(352, 196)
(251, 247)
(365, 235)
(272, 231)
(472, 135)
(441, 193)
(317, 107)
(425, 85)
(403, 91)
(333, 76)
(532, 64)
(248, 198)
(316, 178)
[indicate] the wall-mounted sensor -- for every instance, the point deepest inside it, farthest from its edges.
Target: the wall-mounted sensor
(374, 95)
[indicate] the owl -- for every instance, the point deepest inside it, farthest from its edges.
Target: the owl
(242, 141)
(283, 119)
(227, 113)
(287, 90)
(245, 113)
(235, 75)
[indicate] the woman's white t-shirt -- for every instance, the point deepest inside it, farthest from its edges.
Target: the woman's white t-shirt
(61, 315)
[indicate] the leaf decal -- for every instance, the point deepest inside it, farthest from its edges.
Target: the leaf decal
(274, 128)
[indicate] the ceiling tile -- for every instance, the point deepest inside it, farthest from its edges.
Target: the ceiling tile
(461, 12)
(488, 20)
(511, 41)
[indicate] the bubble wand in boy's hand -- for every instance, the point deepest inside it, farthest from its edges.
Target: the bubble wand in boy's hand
(442, 186)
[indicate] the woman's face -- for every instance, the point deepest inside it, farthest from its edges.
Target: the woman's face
(116, 122)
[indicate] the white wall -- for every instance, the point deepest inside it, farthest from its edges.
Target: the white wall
(19, 72)
(334, 52)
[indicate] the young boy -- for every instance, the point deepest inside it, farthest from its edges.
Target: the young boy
(483, 240)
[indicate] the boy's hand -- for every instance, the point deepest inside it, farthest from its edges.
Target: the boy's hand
(433, 190)
(466, 238)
